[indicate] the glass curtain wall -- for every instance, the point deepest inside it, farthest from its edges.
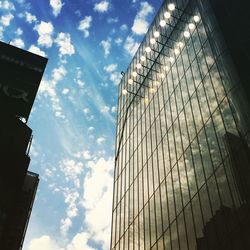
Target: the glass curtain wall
(178, 130)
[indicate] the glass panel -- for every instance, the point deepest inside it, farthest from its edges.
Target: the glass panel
(136, 200)
(145, 184)
(198, 163)
(160, 244)
(177, 190)
(152, 221)
(174, 236)
(131, 236)
(136, 234)
(183, 181)
(165, 210)
(141, 231)
(167, 240)
(158, 209)
(147, 226)
(182, 232)
(198, 218)
(214, 194)
(205, 204)
(190, 172)
(223, 187)
(191, 234)
(170, 198)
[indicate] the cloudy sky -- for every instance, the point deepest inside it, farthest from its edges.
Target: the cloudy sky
(88, 43)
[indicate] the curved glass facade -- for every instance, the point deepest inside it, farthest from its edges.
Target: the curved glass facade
(182, 178)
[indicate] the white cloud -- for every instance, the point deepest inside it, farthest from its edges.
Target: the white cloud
(106, 44)
(124, 27)
(86, 155)
(100, 140)
(71, 198)
(65, 225)
(112, 20)
(6, 19)
(43, 243)
(63, 40)
(7, 5)
(78, 72)
(1, 32)
(36, 50)
(80, 83)
(91, 129)
(34, 150)
(59, 73)
(25, 3)
(102, 6)
(46, 242)
(116, 77)
(78, 80)
(110, 68)
(65, 91)
(48, 88)
(45, 30)
(87, 114)
(19, 32)
(113, 109)
(78, 13)
(80, 242)
(48, 172)
(131, 46)
(18, 42)
(86, 111)
(56, 6)
(72, 211)
(71, 169)
(118, 40)
(29, 17)
(97, 199)
(140, 26)
(85, 25)
(105, 109)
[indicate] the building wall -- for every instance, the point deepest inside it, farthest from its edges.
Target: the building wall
(176, 163)
(19, 214)
(21, 72)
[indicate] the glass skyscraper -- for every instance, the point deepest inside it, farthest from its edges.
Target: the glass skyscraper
(182, 163)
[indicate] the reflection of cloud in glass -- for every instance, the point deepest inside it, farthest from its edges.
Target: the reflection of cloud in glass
(173, 147)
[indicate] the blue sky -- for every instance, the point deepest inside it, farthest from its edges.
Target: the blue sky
(88, 43)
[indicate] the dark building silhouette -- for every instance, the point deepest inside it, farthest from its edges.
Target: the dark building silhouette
(227, 230)
(21, 72)
(19, 214)
(182, 163)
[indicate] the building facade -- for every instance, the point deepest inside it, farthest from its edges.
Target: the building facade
(19, 214)
(21, 72)
(182, 163)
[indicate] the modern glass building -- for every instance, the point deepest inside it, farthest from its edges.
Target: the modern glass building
(182, 163)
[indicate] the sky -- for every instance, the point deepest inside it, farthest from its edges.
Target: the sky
(88, 44)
